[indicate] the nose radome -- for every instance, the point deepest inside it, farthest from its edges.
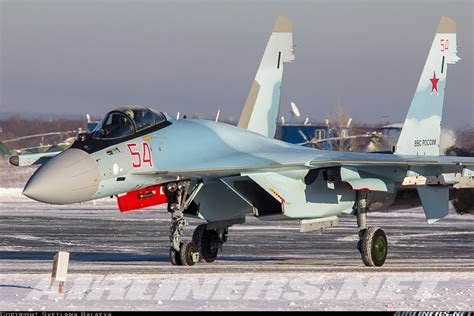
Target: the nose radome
(70, 177)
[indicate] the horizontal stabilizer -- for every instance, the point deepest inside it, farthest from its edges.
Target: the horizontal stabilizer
(435, 202)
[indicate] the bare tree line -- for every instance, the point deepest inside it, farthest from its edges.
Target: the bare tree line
(15, 127)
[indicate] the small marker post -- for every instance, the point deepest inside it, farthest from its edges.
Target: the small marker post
(59, 273)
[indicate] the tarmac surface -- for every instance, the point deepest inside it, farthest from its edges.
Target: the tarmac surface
(107, 244)
(98, 236)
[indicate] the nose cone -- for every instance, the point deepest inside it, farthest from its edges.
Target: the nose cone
(70, 177)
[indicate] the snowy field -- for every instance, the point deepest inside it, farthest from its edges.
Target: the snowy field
(120, 261)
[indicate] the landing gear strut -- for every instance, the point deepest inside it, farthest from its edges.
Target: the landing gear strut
(372, 243)
(180, 253)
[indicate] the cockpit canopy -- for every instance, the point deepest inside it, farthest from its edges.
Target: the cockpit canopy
(126, 121)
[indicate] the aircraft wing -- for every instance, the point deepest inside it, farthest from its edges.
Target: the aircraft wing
(360, 159)
(321, 161)
(288, 182)
(23, 160)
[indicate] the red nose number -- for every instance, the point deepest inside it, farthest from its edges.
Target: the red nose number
(140, 157)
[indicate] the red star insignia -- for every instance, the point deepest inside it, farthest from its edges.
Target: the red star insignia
(434, 83)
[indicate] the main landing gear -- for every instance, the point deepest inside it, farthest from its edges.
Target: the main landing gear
(209, 241)
(372, 243)
(205, 243)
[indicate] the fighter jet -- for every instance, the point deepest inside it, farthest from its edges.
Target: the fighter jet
(221, 173)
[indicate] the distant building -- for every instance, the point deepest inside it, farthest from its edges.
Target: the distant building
(300, 133)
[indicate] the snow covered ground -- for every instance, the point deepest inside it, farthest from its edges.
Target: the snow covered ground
(185, 290)
(120, 261)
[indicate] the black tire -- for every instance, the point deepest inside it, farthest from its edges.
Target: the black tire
(197, 237)
(206, 241)
(175, 257)
(359, 246)
(374, 247)
(186, 253)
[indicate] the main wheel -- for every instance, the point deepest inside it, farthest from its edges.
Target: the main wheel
(206, 242)
(373, 247)
(186, 253)
(175, 257)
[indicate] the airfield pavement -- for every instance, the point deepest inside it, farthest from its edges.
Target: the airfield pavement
(120, 261)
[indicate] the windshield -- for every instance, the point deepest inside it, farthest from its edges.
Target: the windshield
(114, 125)
(127, 121)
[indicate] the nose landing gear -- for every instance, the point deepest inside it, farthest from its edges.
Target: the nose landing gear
(181, 253)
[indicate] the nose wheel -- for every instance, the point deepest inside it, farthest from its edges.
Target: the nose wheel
(188, 254)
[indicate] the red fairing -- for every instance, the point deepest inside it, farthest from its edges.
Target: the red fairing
(138, 199)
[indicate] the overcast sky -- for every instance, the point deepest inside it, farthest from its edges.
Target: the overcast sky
(76, 57)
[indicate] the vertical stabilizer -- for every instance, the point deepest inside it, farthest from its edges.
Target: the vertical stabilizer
(261, 108)
(422, 128)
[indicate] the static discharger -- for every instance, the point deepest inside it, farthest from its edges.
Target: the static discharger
(60, 266)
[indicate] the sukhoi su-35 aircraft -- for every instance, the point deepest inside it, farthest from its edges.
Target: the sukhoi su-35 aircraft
(220, 173)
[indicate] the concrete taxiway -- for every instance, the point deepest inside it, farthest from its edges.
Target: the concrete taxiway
(107, 246)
